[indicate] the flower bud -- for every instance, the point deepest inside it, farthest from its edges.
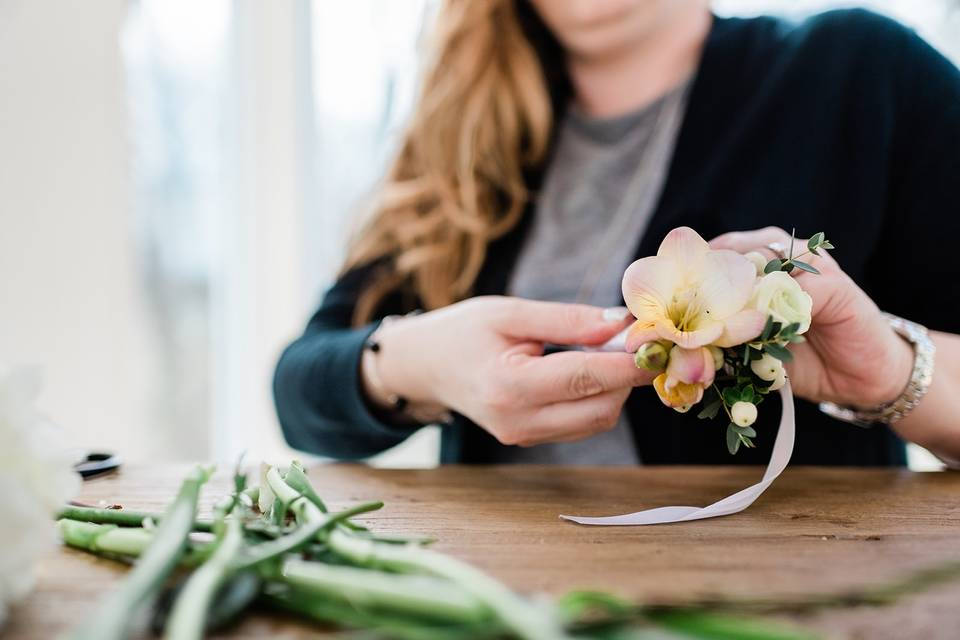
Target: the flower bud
(767, 368)
(779, 381)
(679, 396)
(758, 261)
(743, 413)
(717, 354)
(651, 356)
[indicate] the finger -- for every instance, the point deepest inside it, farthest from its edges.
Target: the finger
(829, 291)
(570, 375)
(760, 240)
(574, 420)
(825, 289)
(561, 323)
(744, 241)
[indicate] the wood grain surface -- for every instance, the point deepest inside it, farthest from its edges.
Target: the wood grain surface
(816, 530)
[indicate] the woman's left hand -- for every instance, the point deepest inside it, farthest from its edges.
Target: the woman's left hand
(851, 355)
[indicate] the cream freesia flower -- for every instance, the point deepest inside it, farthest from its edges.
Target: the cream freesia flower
(759, 262)
(777, 294)
(691, 295)
(693, 366)
(689, 372)
(677, 395)
(717, 354)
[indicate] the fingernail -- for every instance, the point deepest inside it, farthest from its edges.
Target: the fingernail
(615, 314)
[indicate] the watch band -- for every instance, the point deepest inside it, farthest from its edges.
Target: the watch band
(920, 379)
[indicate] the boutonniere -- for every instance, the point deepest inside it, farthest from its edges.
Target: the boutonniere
(716, 326)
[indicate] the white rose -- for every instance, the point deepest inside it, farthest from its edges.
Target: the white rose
(777, 294)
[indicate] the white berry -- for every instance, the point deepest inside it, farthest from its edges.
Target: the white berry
(744, 414)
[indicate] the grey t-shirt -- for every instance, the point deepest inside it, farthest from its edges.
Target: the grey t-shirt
(598, 195)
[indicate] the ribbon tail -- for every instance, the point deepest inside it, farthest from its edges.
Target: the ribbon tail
(735, 503)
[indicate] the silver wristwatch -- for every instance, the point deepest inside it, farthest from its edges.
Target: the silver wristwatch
(924, 354)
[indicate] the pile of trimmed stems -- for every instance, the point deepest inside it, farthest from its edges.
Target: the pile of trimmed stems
(278, 546)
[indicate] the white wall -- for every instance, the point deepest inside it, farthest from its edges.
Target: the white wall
(72, 297)
(68, 295)
(257, 303)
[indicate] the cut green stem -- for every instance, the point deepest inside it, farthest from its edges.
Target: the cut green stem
(380, 624)
(420, 596)
(104, 538)
(112, 618)
(188, 618)
(303, 534)
(120, 517)
(525, 619)
(522, 617)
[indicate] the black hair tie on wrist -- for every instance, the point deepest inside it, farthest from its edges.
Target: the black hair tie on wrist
(398, 403)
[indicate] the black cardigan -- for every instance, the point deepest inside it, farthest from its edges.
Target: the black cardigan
(846, 123)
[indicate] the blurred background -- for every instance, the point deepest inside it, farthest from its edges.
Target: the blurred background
(177, 180)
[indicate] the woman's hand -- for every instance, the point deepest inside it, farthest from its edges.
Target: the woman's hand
(483, 358)
(851, 356)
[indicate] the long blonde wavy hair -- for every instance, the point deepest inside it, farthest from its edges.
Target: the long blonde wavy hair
(483, 119)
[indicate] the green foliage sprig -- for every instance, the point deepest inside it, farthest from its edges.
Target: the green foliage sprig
(817, 242)
(739, 383)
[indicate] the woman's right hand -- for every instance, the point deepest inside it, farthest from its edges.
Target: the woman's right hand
(483, 358)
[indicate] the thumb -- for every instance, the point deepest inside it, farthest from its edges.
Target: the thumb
(562, 323)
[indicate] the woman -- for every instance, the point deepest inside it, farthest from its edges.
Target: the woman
(556, 141)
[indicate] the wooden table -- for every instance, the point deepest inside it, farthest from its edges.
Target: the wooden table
(816, 530)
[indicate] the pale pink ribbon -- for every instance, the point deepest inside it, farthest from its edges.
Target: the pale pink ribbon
(779, 458)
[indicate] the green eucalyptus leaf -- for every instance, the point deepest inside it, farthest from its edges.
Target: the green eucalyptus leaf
(747, 394)
(767, 329)
(774, 265)
(731, 395)
(778, 352)
(710, 411)
(747, 432)
(803, 266)
(733, 440)
(815, 240)
(762, 386)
